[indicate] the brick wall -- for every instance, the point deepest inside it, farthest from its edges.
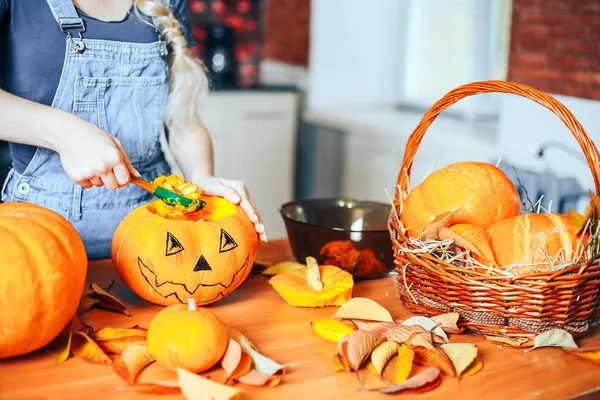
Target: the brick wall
(287, 31)
(555, 46)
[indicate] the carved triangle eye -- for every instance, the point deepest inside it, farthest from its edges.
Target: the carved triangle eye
(173, 245)
(227, 242)
(202, 265)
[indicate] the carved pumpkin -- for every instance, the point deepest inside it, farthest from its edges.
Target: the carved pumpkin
(529, 239)
(481, 192)
(203, 255)
(184, 336)
(44, 265)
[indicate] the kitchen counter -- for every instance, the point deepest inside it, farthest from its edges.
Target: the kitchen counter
(284, 333)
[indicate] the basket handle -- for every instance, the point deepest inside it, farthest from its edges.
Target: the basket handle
(589, 149)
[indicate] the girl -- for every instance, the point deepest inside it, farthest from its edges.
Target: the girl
(87, 87)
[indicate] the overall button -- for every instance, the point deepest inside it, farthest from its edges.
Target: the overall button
(24, 188)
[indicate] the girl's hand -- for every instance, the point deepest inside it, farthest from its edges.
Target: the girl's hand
(235, 192)
(93, 157)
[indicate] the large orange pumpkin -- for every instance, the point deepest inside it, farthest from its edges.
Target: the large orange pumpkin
(203, 255)
(481, 192)
(529, 239)
(44, 265)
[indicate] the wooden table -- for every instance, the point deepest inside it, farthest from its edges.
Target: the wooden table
(284, 333)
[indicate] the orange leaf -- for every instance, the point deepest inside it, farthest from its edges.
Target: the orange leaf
(426, 380)
(473, 238)
(444, 220)
(166, 387)
(116, 340)
(256, 378)
(590, 353)
(60, 347)
(427, 354)
(243, 367)
(232, 358)
(357, 347)
(197, 387)
(107, 300)
(133, 360)
(84, 347)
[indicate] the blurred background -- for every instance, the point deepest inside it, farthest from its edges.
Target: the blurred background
(316, 98)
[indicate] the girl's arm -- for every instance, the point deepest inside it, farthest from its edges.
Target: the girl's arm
(89, 155)
(193, 151)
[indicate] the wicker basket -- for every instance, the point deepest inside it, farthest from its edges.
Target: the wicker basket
(518, 307)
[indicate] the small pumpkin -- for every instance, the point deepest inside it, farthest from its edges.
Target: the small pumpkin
(187, 337)
(44, 266)
(480, 193)
(166, 255)
(530, 239)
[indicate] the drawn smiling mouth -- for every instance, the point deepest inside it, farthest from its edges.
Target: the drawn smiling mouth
(181, 291)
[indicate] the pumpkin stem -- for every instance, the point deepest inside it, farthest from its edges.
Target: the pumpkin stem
(192, 304)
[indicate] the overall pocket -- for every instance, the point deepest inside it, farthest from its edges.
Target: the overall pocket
(131, 109)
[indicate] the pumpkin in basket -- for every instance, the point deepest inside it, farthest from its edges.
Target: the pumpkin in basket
(44, 265)
(480, 193)
(167, 255)
(530, 240)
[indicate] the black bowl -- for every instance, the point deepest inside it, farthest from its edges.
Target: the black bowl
(347, 233)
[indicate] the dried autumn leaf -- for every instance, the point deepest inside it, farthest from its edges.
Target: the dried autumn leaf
(472, 369)
(448, 322)
(339, 363)
(158, 388)
(426, 378)
(444, 220)
(331, 329)
(256, 378)
(60, 347)
(239, 337)
(382, 354)
(590, 353)
(116, 340)
(514, 342)
(426, 353)
(196, 387)
(462, 355)
(132, 361)
(282, 267)
(404, 363)
(357, 347)
(428, 324)
(84, 347)
(262, 363)
(553, 338)
(363, 308)
(243, 367)
(401, 333)
(577, 221)
(231, 359)
(107, 300)
(85, 304)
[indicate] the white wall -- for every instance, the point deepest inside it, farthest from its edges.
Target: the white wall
(354, 58)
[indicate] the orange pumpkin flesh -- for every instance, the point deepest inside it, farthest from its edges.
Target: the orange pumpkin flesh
(203, 255)
(527, 239)
(184, 336)
(44, 266)
(480, 192)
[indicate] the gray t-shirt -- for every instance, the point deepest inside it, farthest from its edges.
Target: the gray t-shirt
(32, 50)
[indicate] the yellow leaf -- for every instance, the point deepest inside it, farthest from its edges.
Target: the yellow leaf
(382, 354)
(363, 308)
(577, 221)
(313, 275)
(404, 363)
(472, 369)
(339, 363)
(514, 342)
(591, 353)
(553, 338)
(357, 347)
(282, 267)
(60, 347)
(461, 355)
(331, 329)
(132, 361)
(196, 387)
(448, 322)
(371, 368)
(83, 346)
(116, 340)
(231, 359)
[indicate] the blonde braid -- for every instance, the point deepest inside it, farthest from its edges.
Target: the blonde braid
(188, 82)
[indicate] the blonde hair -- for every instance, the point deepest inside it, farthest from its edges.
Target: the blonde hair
(188, 82)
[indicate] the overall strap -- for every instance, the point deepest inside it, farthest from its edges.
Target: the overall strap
(65, 14)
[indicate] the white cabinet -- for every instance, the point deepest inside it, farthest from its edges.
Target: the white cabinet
(254, 139)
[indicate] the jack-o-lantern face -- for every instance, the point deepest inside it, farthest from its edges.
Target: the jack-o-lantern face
(204, 256)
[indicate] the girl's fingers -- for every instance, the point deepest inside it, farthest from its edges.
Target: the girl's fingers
(121, 173)
(126, 160)
(96, 181)
(110, 181)
(85, 184)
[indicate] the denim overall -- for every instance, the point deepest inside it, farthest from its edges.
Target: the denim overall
(122, 88)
